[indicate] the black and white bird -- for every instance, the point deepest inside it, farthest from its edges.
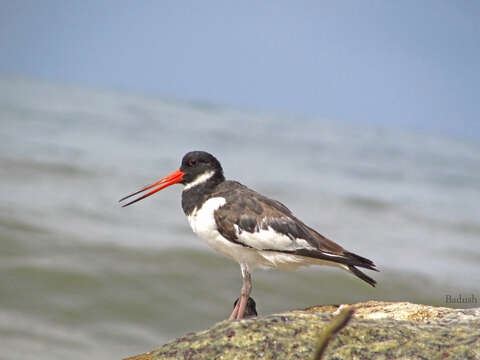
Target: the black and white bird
(248, 227)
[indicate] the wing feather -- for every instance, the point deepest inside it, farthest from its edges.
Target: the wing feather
(253, 220)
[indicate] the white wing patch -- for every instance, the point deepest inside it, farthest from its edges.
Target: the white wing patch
(269, 239)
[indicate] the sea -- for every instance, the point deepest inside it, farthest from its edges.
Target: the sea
(82, 277)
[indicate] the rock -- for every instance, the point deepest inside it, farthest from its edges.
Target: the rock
(378, 330)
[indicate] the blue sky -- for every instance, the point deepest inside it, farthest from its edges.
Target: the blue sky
(408, 63)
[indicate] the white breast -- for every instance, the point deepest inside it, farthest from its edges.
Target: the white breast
(202, 222)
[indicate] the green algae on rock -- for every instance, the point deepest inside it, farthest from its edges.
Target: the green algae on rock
(378, 330)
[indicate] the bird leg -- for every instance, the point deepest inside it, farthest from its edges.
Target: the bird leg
(234, 313)
(244, 294)
(239, 309)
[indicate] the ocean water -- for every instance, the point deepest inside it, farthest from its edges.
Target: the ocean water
(81, 276)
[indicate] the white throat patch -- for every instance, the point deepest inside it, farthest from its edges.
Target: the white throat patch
(200, 179)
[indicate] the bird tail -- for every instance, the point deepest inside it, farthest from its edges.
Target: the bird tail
(360, 261)
(350, 261)
(362, 275)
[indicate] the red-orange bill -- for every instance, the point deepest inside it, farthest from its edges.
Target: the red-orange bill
(168, 180)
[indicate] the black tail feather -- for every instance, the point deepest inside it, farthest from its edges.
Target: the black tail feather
(360, 261)
(346, 258)
(349, 259)
(362, 276)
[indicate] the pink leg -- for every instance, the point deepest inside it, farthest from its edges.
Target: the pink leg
(239, 310)
(234, 313)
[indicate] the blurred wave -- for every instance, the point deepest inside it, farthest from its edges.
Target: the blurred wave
(80, 276)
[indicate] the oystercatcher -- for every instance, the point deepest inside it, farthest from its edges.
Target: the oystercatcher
(248, 227)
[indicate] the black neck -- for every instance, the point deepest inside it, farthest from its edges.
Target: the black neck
(194, 197)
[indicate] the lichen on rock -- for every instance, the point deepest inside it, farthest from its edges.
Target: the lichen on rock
(378, 330)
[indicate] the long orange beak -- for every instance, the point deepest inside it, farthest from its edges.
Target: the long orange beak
(168, 180)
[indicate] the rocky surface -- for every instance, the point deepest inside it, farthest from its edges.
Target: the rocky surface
(378, 330)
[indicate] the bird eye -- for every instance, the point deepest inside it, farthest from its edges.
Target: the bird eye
(192, 162)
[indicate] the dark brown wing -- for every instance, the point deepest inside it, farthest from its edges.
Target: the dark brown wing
(253, 220)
